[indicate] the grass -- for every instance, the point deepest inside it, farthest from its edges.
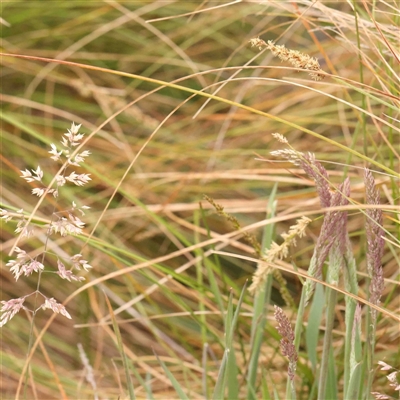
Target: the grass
(176, 105)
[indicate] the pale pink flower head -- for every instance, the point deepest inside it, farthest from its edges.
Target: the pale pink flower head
(10, 308)
(35, 175)
(55, 307)
(67, 274)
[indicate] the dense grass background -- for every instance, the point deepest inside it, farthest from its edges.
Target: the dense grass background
(150, 252)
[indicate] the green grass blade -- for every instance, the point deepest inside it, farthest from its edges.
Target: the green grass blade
(314, 322)
(120, 347)
(232, 371)
(219, 388)
(146, 383)
(24, 127)
(178, 388)
(264, 388)
(232, 375)
(332, 381)
(261, 300)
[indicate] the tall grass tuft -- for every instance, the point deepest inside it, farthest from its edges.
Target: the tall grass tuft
(283, 284)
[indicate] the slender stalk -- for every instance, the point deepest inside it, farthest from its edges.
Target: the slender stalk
(335, 262)
(258, 327)
(350, 269)
(331, 296)
(299, 321)
(369, 354)
(360, 62)
(261, 300)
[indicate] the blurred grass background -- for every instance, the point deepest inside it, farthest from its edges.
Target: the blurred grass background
(216, 152)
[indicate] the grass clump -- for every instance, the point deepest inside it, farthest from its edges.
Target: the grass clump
(283, 284)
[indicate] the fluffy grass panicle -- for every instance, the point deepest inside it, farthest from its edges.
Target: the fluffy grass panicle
(287, 340)
(277, 252)
(375, 240)
(392, 378)
(64, 222)
(294, 57)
